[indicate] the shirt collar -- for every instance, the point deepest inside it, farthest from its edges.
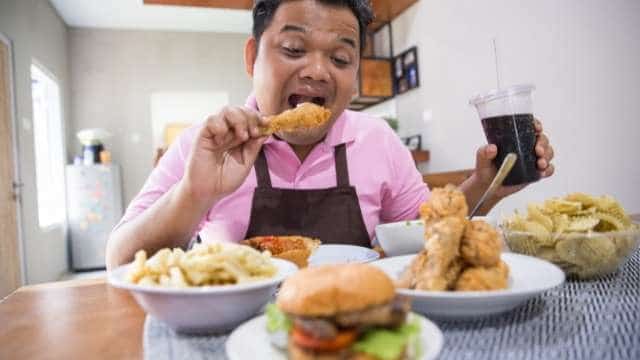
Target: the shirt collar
(340, 133)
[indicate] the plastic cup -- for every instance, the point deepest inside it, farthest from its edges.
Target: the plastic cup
(507, 120)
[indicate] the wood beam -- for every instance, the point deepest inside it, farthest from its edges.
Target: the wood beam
(222, 4)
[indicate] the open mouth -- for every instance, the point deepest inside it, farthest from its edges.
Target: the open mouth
(296, 99)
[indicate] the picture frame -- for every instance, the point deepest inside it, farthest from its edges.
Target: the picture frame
(413, 142)
(406, 75)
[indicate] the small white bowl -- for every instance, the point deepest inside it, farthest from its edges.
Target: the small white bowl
(407, 237)
(208, 309)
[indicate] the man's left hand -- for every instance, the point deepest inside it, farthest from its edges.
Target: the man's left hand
(486, 171)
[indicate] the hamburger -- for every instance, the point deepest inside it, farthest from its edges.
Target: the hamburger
(347, 311)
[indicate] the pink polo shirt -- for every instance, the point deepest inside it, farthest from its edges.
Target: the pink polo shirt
(381, 168)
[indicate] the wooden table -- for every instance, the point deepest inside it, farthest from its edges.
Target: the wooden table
(72, 319)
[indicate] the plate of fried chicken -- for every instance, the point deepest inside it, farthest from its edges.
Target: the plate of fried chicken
(460, 272)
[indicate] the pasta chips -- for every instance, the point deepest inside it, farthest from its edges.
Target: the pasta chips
(585, 235)
(204, 265)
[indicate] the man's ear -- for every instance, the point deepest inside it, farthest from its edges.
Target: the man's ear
(250, 54)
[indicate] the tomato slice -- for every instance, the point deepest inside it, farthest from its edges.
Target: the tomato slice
(341, 341)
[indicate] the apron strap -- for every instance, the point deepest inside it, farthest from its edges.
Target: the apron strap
(342, 171)
(262, 171)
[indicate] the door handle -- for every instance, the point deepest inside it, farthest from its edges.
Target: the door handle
(16, 188)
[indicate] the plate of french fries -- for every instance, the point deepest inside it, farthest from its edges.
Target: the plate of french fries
(210, 288)
(587, 236)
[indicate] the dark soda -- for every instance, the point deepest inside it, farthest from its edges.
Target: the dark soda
(516, 134)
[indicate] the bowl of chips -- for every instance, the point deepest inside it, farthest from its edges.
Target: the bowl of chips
(587, 236)
(209, 289)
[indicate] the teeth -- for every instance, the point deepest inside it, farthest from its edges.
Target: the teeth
(295, 100)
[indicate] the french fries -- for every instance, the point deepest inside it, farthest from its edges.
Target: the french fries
(204, 265)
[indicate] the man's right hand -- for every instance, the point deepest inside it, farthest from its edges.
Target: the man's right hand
(223, 154)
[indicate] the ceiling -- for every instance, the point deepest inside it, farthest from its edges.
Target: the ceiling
(132, 14)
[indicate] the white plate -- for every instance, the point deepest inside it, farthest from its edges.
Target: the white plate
(251, 341)
(204, 309)
(340, 254)
(528, 277)
(407, 237)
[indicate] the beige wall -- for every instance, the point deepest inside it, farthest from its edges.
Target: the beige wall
(36, 32)
(582, 55)
(115, 72)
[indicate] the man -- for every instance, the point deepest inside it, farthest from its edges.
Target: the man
(222, 179)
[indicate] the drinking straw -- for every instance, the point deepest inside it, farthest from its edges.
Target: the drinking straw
(495, 56)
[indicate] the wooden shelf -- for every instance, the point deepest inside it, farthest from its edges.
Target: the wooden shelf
(223, 4)
(387, 10)
(420, 156)
(384, 10)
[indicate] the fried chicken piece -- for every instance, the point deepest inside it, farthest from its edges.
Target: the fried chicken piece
(446, 201)
(304, 116)
(480, 245)
(407, 279)
(483, 278)
(296, 249)
(453, 272)
(443, 247)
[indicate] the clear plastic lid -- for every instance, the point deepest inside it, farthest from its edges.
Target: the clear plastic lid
(502, 93)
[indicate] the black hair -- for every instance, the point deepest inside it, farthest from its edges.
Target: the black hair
(264, 10)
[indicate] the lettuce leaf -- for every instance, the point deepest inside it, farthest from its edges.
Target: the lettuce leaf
(388, 344)
(277, 320)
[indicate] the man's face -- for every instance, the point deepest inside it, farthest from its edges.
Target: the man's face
(308, 53)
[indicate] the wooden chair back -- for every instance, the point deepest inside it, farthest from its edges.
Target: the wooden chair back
(441, 179)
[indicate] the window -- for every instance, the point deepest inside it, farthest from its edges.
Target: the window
(48, 146)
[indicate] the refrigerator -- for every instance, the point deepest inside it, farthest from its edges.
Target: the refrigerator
(94, 207)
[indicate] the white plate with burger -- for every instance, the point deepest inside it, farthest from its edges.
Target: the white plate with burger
(528, 277)
(337, 311)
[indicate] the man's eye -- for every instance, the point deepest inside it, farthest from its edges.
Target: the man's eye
(340, 61)
(292, 51)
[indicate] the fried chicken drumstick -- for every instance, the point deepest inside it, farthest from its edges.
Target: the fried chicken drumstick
(304, 116)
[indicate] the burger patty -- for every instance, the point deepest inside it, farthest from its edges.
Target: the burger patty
(392, 314)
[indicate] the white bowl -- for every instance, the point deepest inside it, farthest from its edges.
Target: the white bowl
(407, 237)
(208, 309)
(528, 277)
(342, 254)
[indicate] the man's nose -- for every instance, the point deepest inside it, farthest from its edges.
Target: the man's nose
(316, 68)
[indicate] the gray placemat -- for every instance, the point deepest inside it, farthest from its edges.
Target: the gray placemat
(597, 319)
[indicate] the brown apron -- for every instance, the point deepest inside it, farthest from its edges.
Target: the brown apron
(332, 215)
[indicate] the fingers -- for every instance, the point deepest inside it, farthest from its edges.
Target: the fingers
(251, 149)
(548, 171)
(238, 121)
(537, 125)
(485, 155)
(541, 145)
(545, 154)
(233, 126)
